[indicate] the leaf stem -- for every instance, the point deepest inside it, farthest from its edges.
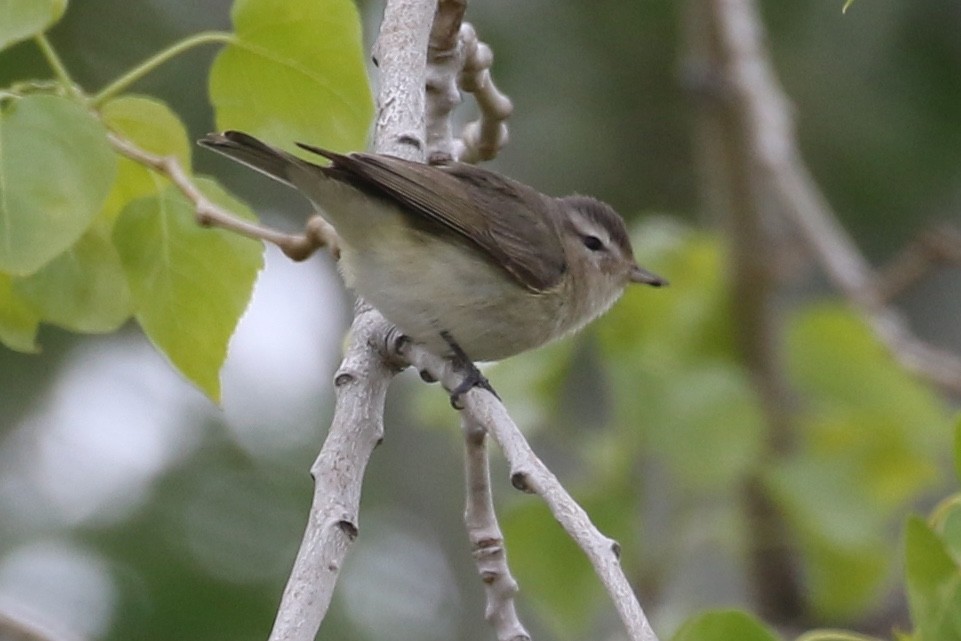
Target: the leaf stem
(148, 65)
(56, 64)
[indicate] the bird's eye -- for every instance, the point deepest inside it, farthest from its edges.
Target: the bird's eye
(593, 243)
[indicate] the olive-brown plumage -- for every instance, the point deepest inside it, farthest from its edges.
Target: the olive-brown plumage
(457, 253)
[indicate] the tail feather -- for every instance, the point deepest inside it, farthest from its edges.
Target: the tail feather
(252, 152)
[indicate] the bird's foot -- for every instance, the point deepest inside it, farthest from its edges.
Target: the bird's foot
(472, 376)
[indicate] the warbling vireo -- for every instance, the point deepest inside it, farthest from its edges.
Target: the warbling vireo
(463, 260)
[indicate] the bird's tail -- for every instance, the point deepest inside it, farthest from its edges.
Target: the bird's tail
(250, 151)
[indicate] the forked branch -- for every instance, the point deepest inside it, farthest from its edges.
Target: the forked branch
(750, 80)
(457, 61)
(528, 473)
(317, 234)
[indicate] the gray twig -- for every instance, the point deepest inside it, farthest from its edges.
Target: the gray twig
(751, 81)
(318, 232)
(486, 538)
(457, 62)
(528, 473)
(361, 382)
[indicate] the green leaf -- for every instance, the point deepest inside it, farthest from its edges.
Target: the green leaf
(152, 126)
(190, 285)
(295, 72)
(835, 359)
(21, 19)
(18, 321)
(869, 435)
(951, 531)
(847, 3)
(957, 447)
(84, 289)
(933, 584)
(840, 531)
(708, 424)
(56, 168)
(724, 625)
(835, 635)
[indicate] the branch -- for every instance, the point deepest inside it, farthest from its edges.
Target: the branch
(361, 382)
(318, 232)
(732, 187)
(361, 385)
(754, 86)
(933, 247)
(12, 628)
(486, 538)
(401, 56)
(528, 473)
(445, 61)
(484, 137)
(457, 61)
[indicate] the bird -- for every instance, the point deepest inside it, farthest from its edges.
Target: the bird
(471, 264)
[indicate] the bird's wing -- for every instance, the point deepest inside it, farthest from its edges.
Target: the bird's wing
(489, 211)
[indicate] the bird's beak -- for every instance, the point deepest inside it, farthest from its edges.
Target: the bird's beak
(640, 275)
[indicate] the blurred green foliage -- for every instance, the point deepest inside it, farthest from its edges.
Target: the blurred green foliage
(723, 626)
(932, 557)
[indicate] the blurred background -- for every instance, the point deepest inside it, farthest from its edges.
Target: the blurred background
(131, 508)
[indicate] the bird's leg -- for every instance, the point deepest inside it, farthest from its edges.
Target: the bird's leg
(472, 375)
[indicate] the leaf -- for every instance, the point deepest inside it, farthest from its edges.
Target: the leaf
(933, 584)
(834, 358)
(295, 72)
(847, 3)
(84, 289)
(724, 625)
(951, 532)
(710, 427)
(152, 126)
(190, 285)
(21, 19)
(957, 447)
(869, 434)
(56, 168)
(18, 321)
(836, 635)
(840, 530)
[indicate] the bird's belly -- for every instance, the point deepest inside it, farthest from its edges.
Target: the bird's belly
(432, 287)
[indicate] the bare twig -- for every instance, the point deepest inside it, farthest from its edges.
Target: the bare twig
(361, 385)
(13, 628)
(318, 232)
(752, 82)
(484, 137)
(445, 60)
(457, 61)
(362, 379)
(529, 473)
(934, 247)
(487, 541)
